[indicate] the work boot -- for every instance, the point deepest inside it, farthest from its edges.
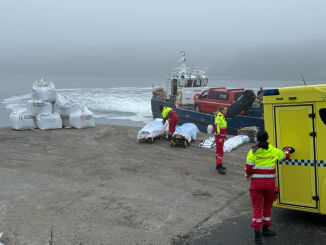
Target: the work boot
(257, 238)
(267, 232)
(220, 169)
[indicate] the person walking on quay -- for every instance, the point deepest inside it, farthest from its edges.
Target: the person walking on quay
(260, 167)
(168, 112)
(220, 136)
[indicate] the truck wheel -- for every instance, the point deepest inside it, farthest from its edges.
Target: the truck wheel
(197, 108)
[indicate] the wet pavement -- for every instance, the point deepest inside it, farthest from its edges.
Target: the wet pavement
(292, 227)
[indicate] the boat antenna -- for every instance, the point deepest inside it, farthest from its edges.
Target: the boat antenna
(182, 62)
(303, 80)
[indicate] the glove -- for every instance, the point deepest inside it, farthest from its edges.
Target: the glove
(289, 149)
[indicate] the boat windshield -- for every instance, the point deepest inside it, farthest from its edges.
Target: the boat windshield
(189, 83)
(181, 82)
(204, 82)
(197, 83)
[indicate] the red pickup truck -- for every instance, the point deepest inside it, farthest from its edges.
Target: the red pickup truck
(210, 99)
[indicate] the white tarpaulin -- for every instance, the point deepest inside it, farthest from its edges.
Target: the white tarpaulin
(153, 129)
(187, 130)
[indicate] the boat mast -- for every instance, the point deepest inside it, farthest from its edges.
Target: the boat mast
(182, 63)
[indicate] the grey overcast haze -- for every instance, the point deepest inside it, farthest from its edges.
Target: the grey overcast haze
(232, 38)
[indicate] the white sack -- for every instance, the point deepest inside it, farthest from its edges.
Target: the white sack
(44, 90)
(187, 130)
(36, 107)
(82, 118)
(22, 120)
(49, 121)
(235, 142)
(210, 129)
(153, 129)
(65, 106)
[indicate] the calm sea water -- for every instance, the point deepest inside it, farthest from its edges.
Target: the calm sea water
(113, 100)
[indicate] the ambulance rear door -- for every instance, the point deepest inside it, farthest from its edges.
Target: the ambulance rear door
(294, 126)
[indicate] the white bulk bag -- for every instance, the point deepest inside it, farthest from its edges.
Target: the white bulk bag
(153, 129)
(36, 107)
(235, 142)
(49, 121)
(82, 118)
(65, 106)
(44, 90)
(22, 120)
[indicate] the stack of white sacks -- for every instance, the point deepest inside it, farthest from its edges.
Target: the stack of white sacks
(49, 110)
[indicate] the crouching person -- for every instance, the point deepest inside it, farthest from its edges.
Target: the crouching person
(169, 113)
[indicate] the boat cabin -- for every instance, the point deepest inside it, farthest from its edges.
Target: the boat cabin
(185, 83)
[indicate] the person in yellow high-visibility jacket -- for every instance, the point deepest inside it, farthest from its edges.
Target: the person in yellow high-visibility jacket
(260, 167)
(220, 136)
(168, 112)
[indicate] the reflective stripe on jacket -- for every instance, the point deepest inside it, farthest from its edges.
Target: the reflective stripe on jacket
(220, 124)
(261, 162)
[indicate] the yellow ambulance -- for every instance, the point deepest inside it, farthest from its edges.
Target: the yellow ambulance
(296, 117)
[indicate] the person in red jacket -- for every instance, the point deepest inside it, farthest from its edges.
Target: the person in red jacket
(168, 112)
(260, 167)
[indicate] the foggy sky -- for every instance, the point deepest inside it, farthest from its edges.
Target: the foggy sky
(233, 38)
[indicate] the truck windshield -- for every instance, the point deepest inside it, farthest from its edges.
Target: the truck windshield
(203, 95)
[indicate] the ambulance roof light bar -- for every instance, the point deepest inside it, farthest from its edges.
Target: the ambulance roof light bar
(268, 92)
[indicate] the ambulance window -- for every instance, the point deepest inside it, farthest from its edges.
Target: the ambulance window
(322, 114)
